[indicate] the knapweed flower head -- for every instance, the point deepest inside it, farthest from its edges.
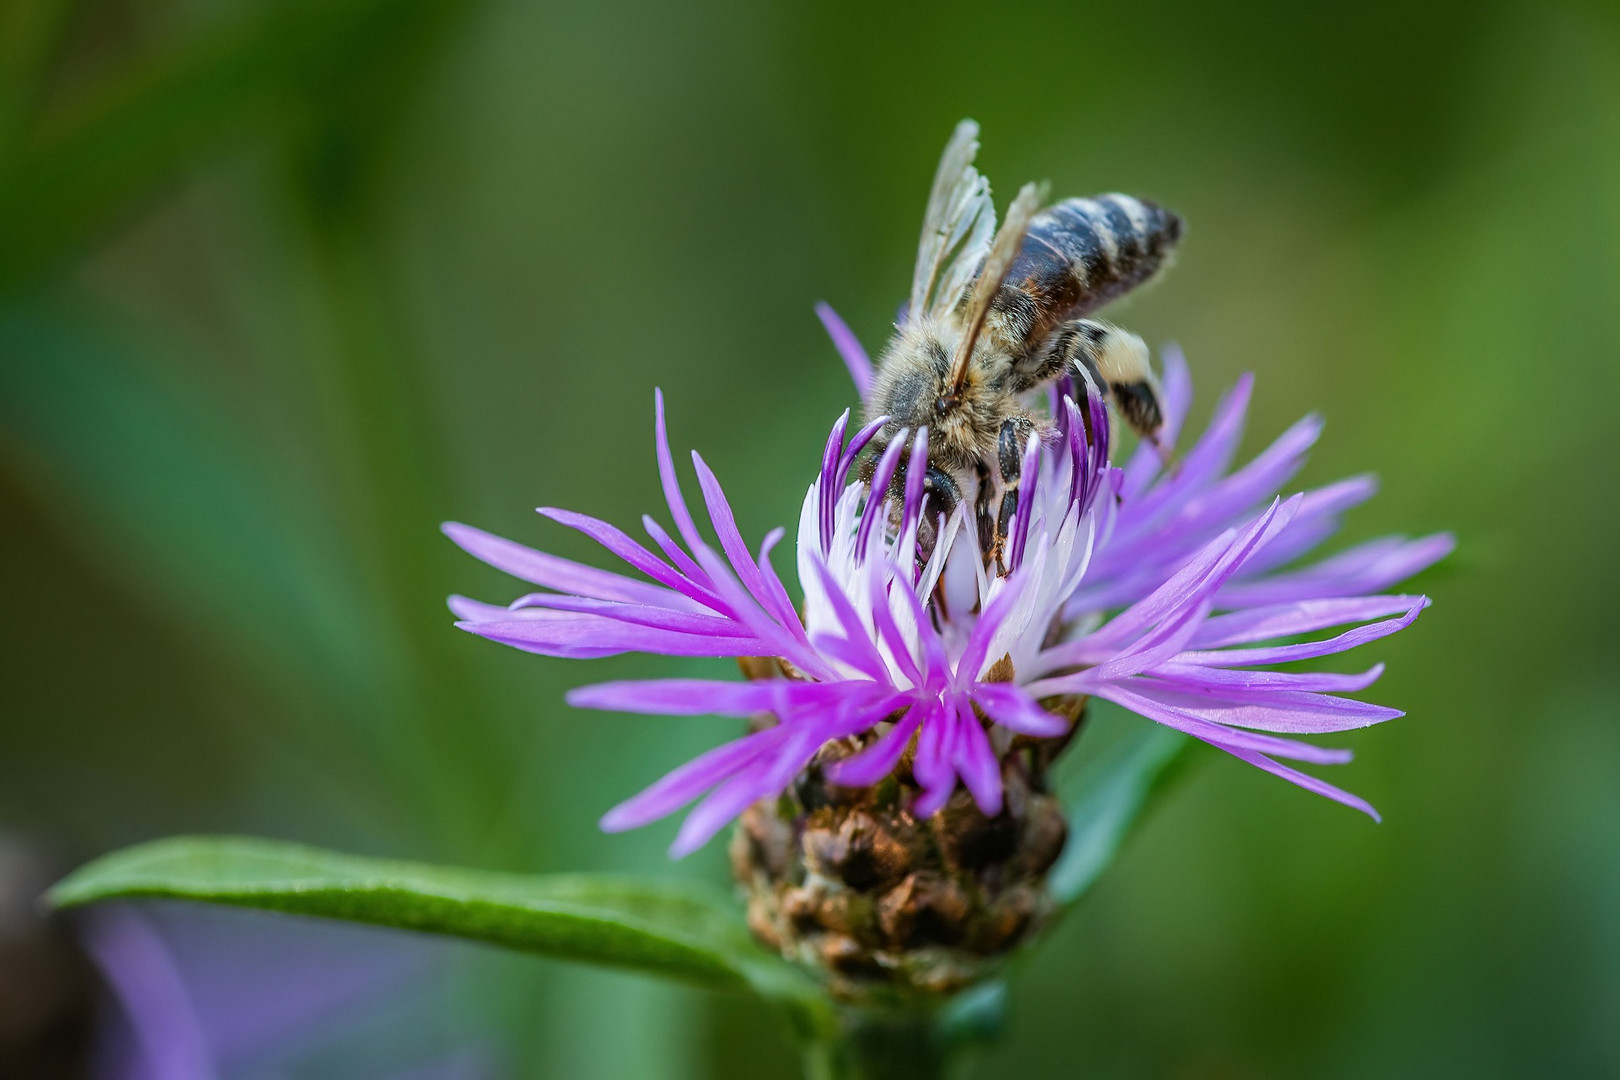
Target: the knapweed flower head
(1164, 589)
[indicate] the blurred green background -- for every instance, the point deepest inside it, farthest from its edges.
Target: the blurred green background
(285, 283)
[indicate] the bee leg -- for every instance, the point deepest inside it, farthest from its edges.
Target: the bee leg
(1010, 443)
(941, 497)
(1059, 355)
(1138, 405)
(983, 513)
(1115, 361)
(1120, 361)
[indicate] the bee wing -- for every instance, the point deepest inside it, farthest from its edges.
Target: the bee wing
(1003, 250)
(957, 229)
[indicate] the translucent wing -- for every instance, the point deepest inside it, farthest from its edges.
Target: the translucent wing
(957, 229)
(1003, 249)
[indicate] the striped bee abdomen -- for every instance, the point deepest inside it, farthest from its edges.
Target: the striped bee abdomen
(1077, 256)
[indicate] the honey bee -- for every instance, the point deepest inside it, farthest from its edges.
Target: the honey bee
(994, 315)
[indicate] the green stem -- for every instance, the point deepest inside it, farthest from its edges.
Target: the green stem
(881, 1046)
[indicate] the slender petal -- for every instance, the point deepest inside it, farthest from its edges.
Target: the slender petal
(686, 783)
(584, 636)
(539, 568)
(878, 760)
(1300, 617)
(688, 593)
(1012, 707)
(849, 347)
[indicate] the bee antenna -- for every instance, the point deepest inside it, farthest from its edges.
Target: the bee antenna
(1002, 251)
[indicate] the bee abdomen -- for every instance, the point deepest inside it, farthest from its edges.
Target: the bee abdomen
(1077, 256)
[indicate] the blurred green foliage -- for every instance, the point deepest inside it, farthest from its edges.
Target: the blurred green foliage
(283, 285)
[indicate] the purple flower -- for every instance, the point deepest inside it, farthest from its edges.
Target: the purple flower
(867, 650)
(203, 994)
(955, 653)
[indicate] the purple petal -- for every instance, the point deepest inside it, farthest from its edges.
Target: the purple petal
(795, 744)
(1174, 593)
(931, 766)
(677, 555)
(933, 799)
(731, 542)
(878, 760)
(845, 651)
(710, 697)
(1177, 390)
(1318, 519)
(1304, 780)
(1185, 720)
(935, 665)
(468, 610)
(723, 805)
(856, 445)
(1284, 711)
(973, 657)
(1263, 476)
(773, 584)
(1214, 680)
(620, 544)
(916, 473)
(1199, 512)
(659, 618)
(849, 347)
(863, 652)
(1146, 462)
(790, 644)
(582, 636)
(878, 499)
(1302, 617)
(1156, 646)
(827, 486)
(889, 631)
(686, 783)
(1279, 654)
(1026, 502)
(1214, 450)
(1199, 578)
(563, 575)
(1369, 568)
(1208, 458)
(791, 753)
(1011, 707)
(672, 484)
(976, 762)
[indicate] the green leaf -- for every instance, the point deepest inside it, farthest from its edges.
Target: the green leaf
(1124, 783)
(671, 929)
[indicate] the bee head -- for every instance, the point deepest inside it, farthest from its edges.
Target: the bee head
(913, 379)
(913, 389)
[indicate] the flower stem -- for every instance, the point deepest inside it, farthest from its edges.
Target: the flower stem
(881, 1046)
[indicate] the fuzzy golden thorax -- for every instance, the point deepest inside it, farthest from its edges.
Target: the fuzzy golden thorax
(912, 389)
